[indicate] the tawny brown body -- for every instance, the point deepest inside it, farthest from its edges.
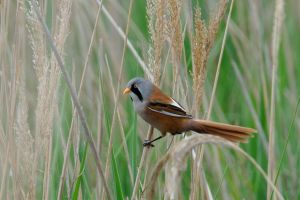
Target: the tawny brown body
(166, 115)
(174, 125)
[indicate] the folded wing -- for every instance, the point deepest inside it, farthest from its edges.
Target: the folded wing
(169, 109)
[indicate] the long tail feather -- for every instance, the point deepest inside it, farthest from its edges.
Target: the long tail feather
(232, 133)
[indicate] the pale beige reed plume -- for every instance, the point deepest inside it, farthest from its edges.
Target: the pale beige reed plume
(203, 38)
(165, 27)
(48, 74)
(175, 37)
(156, 28)
(24, 144)
(177, 160)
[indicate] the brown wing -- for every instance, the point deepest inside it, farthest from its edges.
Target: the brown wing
(162, 103)
(158, 95)
(168, 109)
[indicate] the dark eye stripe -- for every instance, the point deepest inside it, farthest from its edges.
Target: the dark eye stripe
(136, 91)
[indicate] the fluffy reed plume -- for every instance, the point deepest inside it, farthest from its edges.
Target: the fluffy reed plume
(48, 75)
(199, 53)
(202, 41)
(177, 156)
(156, 26)
(41, 66)
(24, 144)
(174, 35)
(214, 23)
(155, 14)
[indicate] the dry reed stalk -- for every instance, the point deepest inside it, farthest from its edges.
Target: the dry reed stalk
(66, 155)
(199, 55)
(277, 28)
(155, 14)
(107, 167)
(174, 35)
(73, 95)
(41, 65)
(177, 158)
(100, 128)
(11, 50)
(244, 47)
(3, 92)
(24, 144)
(214, 24)
(123, 137)
(156, 27)
(141, 165)
(129, 44)
(202, 42)
(48, 74)
(4, 170)
(246, 93)
(13, 86)
(60, 35)
(2, 141)
(212, 31)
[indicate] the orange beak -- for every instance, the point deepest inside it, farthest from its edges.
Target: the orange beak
(126, 91)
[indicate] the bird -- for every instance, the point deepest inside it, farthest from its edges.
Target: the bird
(168, 116)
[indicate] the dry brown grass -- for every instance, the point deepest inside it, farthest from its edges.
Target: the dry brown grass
(174, 36)
(24, 144)
(71, 132)
(48, 74)
(164, 24)
(156, 26)
(117, 97)
(203, 40)
(199, 42)
(41, 146)
(177, 157)
(74, 96)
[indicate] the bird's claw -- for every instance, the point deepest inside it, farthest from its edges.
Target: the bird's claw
(148, 143)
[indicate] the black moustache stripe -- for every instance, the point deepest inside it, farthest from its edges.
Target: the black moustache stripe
(137, 93)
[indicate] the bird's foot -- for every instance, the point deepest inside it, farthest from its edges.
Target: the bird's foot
(148, 143)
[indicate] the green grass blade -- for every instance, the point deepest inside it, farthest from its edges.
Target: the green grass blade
(286, 144)
(80, 177)
(117, 180)
(222, 179)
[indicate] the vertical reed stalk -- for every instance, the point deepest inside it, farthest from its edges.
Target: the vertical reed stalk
(74, 98)
(277, 26)
(110, 148)
(66, 155)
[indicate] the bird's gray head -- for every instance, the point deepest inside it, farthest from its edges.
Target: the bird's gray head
(139, 89)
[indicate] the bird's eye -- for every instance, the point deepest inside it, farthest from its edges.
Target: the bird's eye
(134, 86)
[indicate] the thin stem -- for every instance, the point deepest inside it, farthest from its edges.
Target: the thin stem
(143, 158)
(204, 188)
(74, 97)
(286, 144)
(278, 15)
(118, 92)
(128, 43)
(219, 63)
(123, 137)
(66, 155)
